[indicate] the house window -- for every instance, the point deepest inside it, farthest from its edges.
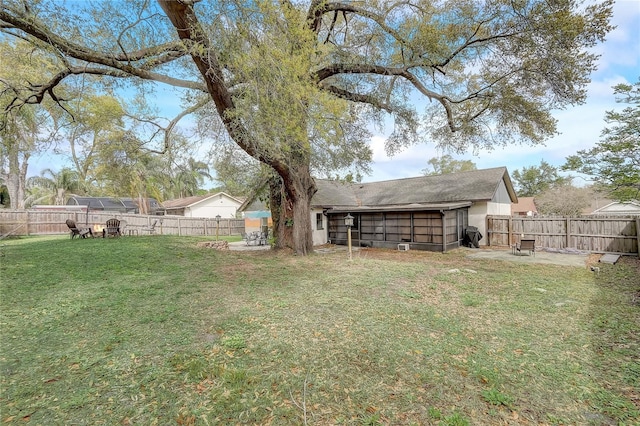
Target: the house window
(319, 221)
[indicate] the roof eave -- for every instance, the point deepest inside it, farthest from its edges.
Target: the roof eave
(395, 208)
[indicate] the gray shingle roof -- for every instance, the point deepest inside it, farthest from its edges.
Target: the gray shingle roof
(476, 185)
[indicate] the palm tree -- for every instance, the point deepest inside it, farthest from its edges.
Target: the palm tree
(191, 177)
(58, 185)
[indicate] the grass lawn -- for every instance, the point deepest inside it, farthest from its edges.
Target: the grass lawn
(154, 330)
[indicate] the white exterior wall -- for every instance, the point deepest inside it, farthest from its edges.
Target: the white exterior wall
(211, 207)
(478, 218)
(479, 211)
(319, 235)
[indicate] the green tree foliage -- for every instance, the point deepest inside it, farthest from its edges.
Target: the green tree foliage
(290, 81)
(615, 160)
(237, 173)
(447, 164)
(94, 121)
(190, 177)
(123, 168)
(57, 186)
(22, 129)
(534, 180)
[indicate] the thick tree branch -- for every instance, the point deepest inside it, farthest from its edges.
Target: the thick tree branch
(357, 97)
(176, 120)
(337, 69)
(185, 21)
(120, 62)
(319, 8)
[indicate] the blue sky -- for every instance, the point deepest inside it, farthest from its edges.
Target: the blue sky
(579, 126)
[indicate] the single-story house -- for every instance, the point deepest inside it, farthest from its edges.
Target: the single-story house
(616, 208)
(205, 206)
(426, 213)
(524, 207)
(117, 204)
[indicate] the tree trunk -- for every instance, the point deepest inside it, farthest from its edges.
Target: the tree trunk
(293, 217)
(290, 204)
(15, 179)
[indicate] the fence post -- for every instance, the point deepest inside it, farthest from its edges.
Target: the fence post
(568, 238)
(510, 231)
(638, 234)
(486, 226)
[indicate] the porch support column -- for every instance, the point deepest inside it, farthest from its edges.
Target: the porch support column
(444, 231)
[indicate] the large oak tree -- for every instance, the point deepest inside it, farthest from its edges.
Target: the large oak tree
(284, 76)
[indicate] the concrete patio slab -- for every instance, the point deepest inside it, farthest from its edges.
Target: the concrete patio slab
(551, 258)
(242, 246)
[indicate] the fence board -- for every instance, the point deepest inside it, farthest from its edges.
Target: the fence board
(31, 222)
(593, 234)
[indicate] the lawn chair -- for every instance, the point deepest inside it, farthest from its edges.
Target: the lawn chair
(80, 232)
(112, 228)
(526, 245)
(152, 228)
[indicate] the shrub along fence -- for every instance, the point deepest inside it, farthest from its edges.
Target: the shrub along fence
(619, 235)
(36, 222)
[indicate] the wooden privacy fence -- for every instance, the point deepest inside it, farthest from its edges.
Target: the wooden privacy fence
(618, 235)
(32, 222)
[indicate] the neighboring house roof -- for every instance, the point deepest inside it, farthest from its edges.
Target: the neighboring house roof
(628, 208)
(438, 191)
(179, 203)
(596, 203)
(524, 205)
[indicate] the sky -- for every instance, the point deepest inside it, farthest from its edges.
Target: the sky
(579, 126)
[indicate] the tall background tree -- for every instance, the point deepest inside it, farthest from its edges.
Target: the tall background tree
(447, 164)
(284, 76)
(534, 180)
(615, 161)
(94, 122)
(564, 199)
(24, 130)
